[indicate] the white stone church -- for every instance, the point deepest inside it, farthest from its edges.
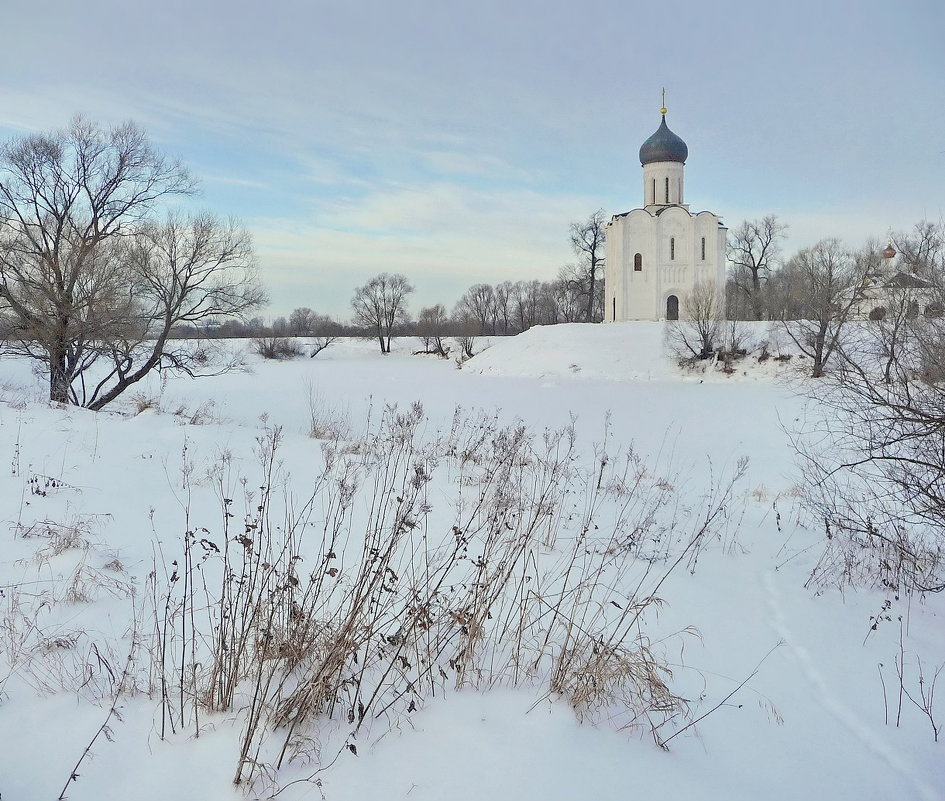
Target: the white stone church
(655, 255)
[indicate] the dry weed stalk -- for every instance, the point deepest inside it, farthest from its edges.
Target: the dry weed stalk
(367, 600)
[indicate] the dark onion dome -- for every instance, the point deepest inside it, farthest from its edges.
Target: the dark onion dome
(664, 145)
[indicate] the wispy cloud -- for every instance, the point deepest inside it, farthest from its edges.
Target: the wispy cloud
(456, 143)
(444, 237)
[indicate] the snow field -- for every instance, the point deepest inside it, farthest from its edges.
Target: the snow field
(809, 722)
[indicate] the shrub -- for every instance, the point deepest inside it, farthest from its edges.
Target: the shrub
(276, 347)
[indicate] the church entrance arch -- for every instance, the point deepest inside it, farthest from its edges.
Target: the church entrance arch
(672, 308)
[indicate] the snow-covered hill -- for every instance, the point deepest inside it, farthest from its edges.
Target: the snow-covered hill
(618, 352)
(638, 351)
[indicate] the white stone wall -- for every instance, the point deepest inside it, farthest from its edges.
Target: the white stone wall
(660, 178)
(669, 241)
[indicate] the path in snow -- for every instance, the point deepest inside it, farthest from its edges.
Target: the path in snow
(831, 702)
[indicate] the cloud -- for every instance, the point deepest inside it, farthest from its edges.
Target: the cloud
(456, 143)
(442, 236)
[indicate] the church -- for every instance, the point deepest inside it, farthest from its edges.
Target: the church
(656, 254)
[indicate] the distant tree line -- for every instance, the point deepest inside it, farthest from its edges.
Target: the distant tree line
(501, 309)
(380, 310)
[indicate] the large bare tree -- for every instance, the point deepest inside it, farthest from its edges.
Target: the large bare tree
(827, 282)
(587, 241)
(381, 304)
(753, 250)
(92, 284)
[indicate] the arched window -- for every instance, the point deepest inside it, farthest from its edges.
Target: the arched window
(703, 248)
(672, 248)
(615, 310)
(679, 191)
(653, 198)
(637, 262)
(667, 189)
(672, 308)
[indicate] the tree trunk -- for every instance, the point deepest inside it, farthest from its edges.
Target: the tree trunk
(590, 294)
(820, 343)
(58, 376)
(756, 295)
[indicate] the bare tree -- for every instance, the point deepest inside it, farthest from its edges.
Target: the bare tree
(753, 249)
(893, 331)
(555, 303)
(478, 304)
(565, 300)
(828, 282)
(431, 328)
(305, 322)
(587, 241)
(874, 451)
(525, 303)
(784, 296)
(504, 307)
(89, 279)
(922, 250)
(381, 304)
(696, 336)
(465, 339)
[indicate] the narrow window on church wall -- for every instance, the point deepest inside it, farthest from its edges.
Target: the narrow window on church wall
(667, 190)
(703, 248)
(637, 263)
(679, 191)
(653, 197)
(615, 310)
(672, 247)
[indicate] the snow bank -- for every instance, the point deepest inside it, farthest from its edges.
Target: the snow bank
(635, 351)
(619, 351)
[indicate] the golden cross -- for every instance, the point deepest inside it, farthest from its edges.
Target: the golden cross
(663, 110)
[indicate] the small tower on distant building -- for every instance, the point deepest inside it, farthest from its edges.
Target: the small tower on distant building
(658, 253)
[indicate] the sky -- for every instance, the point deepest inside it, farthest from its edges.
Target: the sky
(455, 143)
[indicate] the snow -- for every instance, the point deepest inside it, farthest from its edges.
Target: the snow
(620, 352)
(808, 722)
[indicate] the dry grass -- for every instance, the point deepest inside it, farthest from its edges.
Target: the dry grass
(326, 422)
(44, 642)
(536, 570)
(481, 556)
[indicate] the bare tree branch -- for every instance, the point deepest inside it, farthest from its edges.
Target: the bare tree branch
(90, 282)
